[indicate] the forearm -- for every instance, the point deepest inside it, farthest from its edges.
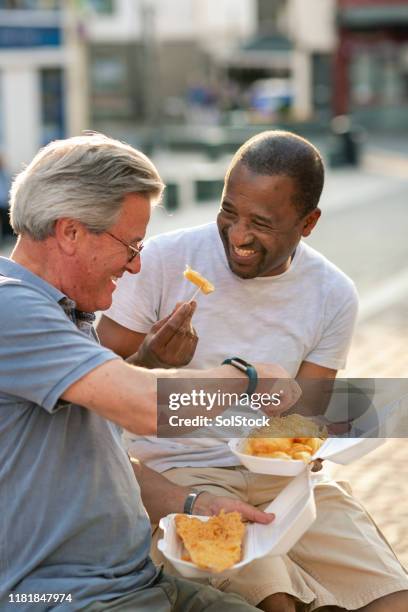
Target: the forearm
(120, 393)
(123, 341)
(316, 383)
(127, 395)
(160, 496)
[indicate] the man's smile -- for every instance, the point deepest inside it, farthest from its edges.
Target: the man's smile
(114, 279)
(243, 255)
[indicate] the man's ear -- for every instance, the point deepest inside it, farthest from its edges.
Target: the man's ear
(310, 221)
(67, 232)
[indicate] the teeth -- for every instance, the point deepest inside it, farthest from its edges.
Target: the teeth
(243, 252)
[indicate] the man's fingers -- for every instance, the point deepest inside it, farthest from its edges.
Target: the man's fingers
(181, 317)
(187, 325)
(289, 392)
(178, 305)
(248, 512)
(173, 340)
(339, 428)
(254, 515)
(175, 321)
(182, 346)
(210, 505)
(155, 328)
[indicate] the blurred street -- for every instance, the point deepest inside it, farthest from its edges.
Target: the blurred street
(363, 230)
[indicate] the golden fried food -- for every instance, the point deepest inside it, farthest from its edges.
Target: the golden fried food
(198, 280)
(277, 455)
(260, 446)
(267, 441)
(298, 447)
(301, 456)
(215, 544)
(315, 443)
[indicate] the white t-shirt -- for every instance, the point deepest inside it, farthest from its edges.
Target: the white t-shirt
(305, 314)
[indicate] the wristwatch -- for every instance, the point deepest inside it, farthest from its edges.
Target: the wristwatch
(249, 370)
(190, 501)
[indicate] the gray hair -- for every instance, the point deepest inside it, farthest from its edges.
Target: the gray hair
(84, 178)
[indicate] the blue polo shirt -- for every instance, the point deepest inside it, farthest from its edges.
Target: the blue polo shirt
(71, 516)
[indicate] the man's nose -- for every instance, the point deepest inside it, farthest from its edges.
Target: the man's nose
(134, 266)
(239, 233)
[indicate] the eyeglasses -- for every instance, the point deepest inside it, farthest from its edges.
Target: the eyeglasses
(134, 250)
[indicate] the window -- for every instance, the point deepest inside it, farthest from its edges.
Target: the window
(52, 104)
(33, 5)
(269, 14)
(100, 6)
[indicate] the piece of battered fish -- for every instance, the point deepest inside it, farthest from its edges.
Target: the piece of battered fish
(215, 544)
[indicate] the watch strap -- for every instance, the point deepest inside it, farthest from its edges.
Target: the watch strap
(190, 501)
(249, 370)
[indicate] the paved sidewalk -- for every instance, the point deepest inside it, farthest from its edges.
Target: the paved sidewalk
(379, 350)
(379, 480)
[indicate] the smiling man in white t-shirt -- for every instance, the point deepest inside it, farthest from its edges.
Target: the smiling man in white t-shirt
(276, 299)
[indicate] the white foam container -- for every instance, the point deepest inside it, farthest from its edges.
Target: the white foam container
(294, 507)
(294, 510)
(339, 450)
(387, 423)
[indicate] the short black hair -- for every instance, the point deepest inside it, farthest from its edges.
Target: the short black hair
(277, 152)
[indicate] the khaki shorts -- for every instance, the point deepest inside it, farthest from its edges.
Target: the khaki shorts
(343, 560)
(169, 594)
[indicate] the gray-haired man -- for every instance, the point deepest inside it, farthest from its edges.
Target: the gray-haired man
(74, 533)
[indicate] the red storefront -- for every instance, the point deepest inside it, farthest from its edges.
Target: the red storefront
(371, 62)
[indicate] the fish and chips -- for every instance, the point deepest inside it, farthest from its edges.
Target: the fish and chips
(215, 544)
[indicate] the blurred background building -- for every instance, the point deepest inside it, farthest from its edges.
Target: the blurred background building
(159, 71)
(32, 60)
(371, 62)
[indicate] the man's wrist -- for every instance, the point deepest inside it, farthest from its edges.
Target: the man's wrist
(248, 369)
(203, 504)
(190, 500)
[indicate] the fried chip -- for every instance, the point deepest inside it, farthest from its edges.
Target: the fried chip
(260, 446)
(269, 441)
(215, 544)
(297, 447)
(277, 455)
(302, 456)
(197, 279)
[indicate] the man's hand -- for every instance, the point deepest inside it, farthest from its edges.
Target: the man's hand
(208, 504)
(281, 383)
(171, 342)
(161, 497)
